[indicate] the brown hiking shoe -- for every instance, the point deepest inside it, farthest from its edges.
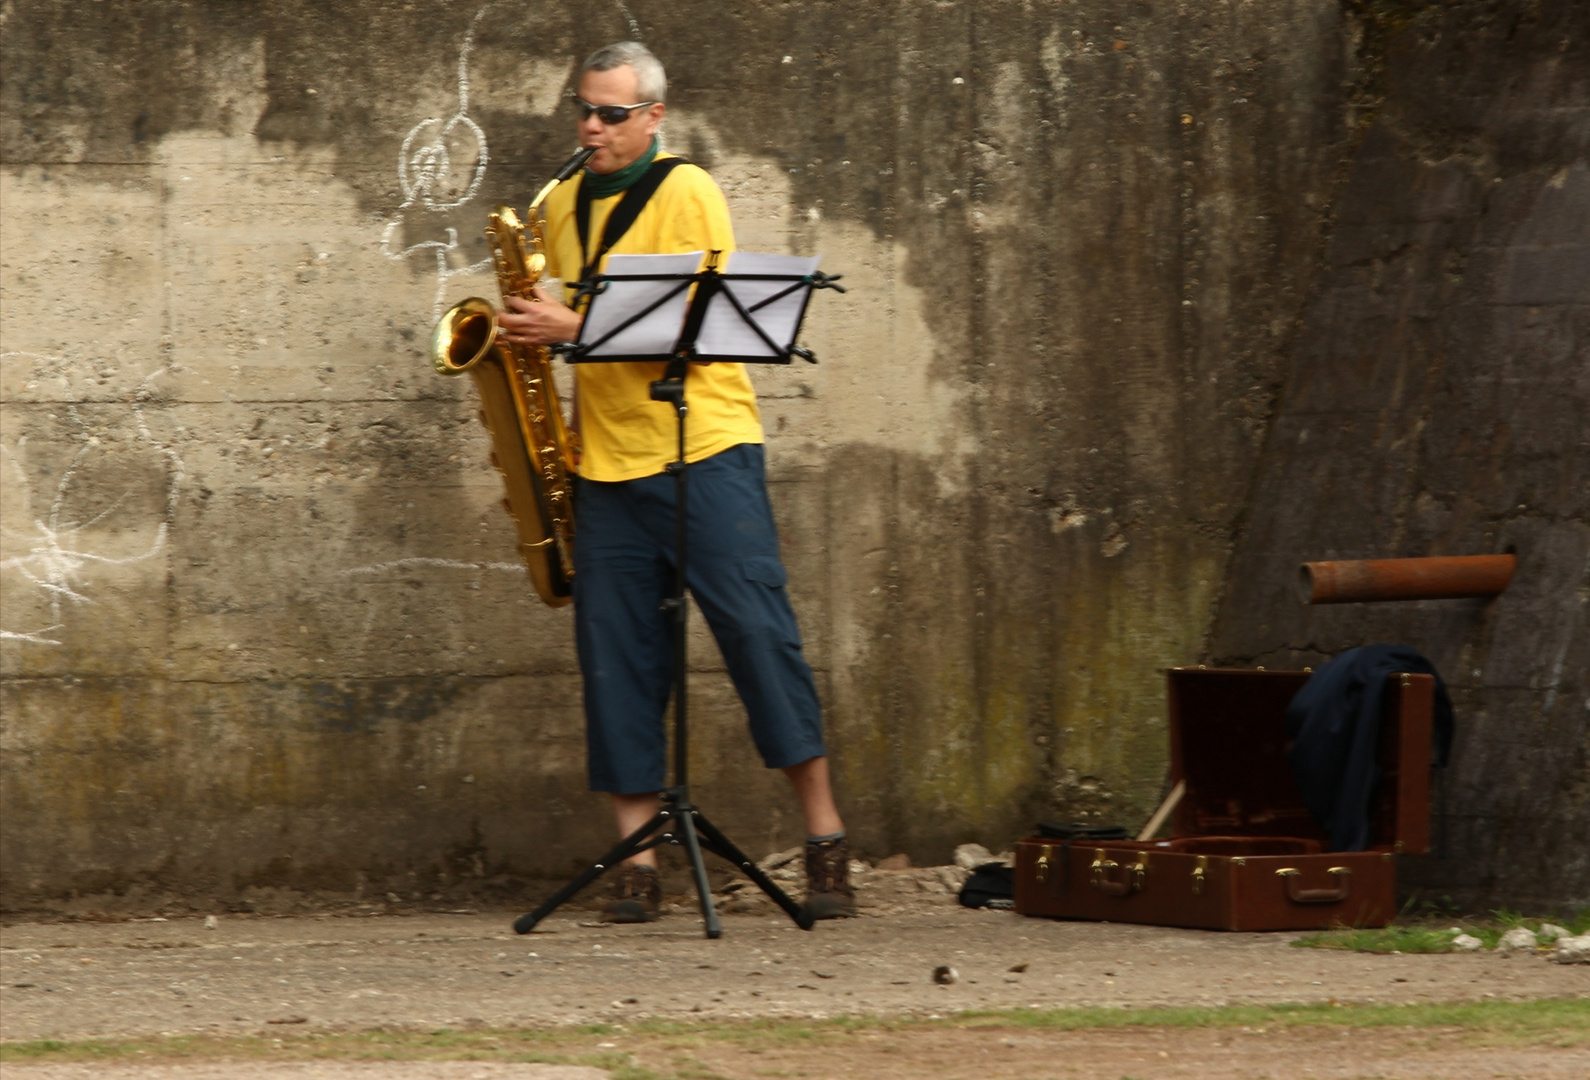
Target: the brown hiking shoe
(637, 895)
(829, 894)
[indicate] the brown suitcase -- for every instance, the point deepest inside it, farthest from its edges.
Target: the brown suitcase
(1245, 854)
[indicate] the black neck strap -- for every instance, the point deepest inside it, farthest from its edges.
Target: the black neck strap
(624, 214)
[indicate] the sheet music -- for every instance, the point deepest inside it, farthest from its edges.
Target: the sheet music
(725, 333)
(657, 332)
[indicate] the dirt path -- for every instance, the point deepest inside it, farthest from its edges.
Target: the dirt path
(252, 974)
(272, 976)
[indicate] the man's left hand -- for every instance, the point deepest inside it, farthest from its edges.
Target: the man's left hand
(544, 322)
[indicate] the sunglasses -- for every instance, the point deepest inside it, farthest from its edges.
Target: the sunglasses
(608, 114)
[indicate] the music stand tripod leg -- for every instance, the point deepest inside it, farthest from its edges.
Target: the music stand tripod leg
(637, 841)
(698, 867)
(724, 848)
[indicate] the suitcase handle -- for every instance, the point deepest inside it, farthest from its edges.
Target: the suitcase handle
(1291, 875)
(1101, 868)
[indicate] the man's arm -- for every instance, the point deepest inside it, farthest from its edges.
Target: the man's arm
(693, 217)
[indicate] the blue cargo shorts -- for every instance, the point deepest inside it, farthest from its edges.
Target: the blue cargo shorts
(623, 569)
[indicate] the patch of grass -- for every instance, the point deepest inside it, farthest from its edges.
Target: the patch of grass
(1555, 1022)
(1549, 1019)
(1435, 936)
(1405, 939)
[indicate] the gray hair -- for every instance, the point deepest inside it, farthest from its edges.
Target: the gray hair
(650, 78)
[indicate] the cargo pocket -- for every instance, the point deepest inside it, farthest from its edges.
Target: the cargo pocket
(764, 568)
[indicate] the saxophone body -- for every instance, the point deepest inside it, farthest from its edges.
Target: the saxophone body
(532, 447)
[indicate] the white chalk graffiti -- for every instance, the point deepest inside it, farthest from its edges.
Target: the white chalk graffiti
(426, 177)
(629, 20)
(56, 559)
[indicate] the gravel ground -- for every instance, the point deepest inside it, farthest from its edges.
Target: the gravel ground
(255, 974)
(258, 975)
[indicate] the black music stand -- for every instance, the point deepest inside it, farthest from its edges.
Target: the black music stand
(734, 318)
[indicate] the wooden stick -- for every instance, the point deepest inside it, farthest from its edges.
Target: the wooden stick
(1166, 808)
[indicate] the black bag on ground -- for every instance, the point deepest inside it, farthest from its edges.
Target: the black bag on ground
(990, 885)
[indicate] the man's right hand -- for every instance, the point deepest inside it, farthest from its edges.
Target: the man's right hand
(547, 321)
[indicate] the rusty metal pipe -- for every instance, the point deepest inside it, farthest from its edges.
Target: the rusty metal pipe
(1447, 577)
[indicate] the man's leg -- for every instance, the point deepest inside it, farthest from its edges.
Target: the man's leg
(738, 581)
(829, 894)
(816, 795)
(631, 812)
(625, 661)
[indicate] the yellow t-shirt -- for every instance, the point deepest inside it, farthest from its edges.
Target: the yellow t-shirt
(624, 434)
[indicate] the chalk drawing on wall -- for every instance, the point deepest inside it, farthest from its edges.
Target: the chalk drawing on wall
(630, 22)
(429, 179)
(56, 544)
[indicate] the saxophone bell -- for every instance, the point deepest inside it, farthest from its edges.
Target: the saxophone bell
(464, 336)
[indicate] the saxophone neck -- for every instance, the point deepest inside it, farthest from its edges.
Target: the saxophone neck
(566, 170)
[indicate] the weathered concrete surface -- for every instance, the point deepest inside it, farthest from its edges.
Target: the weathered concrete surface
(264, 630)
(1437, 404)
(264, 626)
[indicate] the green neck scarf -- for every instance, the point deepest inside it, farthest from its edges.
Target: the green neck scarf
(601, 186)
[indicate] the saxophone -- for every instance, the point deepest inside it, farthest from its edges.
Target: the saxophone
(531, 446)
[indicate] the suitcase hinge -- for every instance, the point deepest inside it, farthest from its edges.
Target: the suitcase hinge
(1200, 872)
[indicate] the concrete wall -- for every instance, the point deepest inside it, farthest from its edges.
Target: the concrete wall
(1438, 402)
(264, 632)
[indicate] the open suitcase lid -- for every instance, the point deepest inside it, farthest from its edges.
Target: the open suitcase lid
(1228, 742)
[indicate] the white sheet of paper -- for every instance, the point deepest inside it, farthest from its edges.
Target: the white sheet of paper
(725, 333)
(656, 333)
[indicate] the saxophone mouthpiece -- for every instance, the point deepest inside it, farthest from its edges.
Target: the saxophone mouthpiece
(574, 164)
(566, 170)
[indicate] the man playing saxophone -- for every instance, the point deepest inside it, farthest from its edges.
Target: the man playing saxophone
(623, 559)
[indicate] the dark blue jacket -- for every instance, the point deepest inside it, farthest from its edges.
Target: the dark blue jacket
(1334, 722)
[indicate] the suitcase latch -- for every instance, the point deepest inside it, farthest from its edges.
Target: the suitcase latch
(1101, 868)
(1200, 872)
(1042, 870)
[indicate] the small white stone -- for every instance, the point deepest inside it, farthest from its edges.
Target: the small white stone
(971, 856)
(1515, 939)
(1572, 950)
(1550, 932)
(211, 922)
(1467, 943)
